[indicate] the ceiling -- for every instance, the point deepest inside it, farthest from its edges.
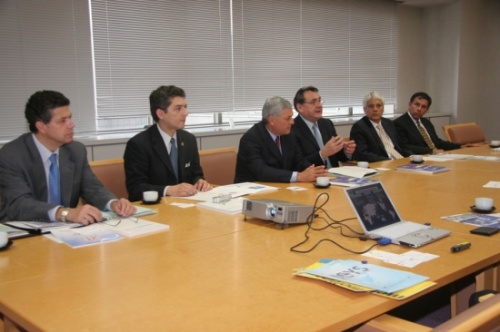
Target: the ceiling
(426, 3)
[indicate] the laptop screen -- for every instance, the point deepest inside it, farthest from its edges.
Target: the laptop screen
(373, 206)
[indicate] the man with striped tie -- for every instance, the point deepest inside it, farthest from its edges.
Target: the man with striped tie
(375, 136)
(416, 132)
(44, 173)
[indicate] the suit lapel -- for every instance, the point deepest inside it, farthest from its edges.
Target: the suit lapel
(160, 148)
(306, 131)
(181, 148)
(374, 133)
(38, 169)
(271, 145)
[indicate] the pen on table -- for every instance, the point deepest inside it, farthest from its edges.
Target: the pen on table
(461, 246)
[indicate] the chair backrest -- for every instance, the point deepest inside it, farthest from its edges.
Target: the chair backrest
(484, 316)
(219, 165)
(463, 133)
(111, 173)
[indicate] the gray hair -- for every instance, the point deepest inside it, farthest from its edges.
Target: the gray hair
(372, 95)
(274, 106)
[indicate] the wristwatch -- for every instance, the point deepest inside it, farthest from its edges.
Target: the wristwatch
(64, 214)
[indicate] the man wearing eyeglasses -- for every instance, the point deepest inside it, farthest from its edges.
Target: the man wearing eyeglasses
(315, 135)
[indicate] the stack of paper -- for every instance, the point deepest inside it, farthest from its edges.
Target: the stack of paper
(106, 231)
(422, 169)
(352, 171)
(140, 211)
(41, 227)
(345, 181)
(234, 190)
(360, 277)
(233, 206)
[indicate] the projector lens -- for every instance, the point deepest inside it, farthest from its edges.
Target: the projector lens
(271, 213)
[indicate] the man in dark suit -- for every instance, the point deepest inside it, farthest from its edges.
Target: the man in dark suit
(164, 157)
(416, 132)
(376, 137)
(43, 174)
(268, 152)
(315, 135)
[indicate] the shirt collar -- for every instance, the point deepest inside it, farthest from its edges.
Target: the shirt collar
(42, 149)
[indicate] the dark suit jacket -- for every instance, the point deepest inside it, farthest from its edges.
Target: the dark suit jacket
(410, 137)
(259, 159)
(148, 167)
(369, 146)
(309, 146)
(23, 182)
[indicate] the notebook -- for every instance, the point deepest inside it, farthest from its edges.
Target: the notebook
(379, 218)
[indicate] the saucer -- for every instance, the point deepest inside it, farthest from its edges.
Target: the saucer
(494, 146)
(151, 202)
(5, 247)
(416, 162)
(322, 187)
(473, 207)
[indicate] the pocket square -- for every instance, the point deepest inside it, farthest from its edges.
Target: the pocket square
(187, 165)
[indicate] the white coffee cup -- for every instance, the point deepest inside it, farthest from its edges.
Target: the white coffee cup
(363, 164)
(150, 196)
(495, 143)
(322, 181)
(416, 158)
(4, 238)
(484, 203)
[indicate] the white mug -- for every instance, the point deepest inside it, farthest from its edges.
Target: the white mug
(495, 143)
(322, 181)
(416, 158)
(484, 203)
(4, 238)
(150, 196)
(363, 164)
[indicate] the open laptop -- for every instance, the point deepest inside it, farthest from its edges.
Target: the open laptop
(379, 218)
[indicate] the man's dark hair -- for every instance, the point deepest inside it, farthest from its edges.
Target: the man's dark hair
(40, 105)
(161, 98)
(299, 96)
(421, 95)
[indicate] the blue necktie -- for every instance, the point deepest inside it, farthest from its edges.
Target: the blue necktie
(174, 157)
(54, 182)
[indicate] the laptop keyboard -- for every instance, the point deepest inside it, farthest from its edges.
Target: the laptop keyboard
(400, 229)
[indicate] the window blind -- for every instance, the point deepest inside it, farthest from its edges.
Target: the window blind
(45, 46)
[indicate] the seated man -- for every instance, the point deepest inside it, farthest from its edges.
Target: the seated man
(417, 133)
(315, 135)
(164, 157)
(44, 173)
(376, 137)
(268, 152)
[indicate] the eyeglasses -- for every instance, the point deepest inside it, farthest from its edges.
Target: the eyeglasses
(315, 102)
(116, 222)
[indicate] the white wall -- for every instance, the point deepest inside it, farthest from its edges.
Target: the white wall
(451, 52)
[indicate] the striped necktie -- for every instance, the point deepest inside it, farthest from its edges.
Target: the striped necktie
(424, 134)
(54, 181)
(386, 140)
(278, 143)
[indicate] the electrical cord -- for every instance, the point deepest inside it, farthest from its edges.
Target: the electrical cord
(333, 224)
